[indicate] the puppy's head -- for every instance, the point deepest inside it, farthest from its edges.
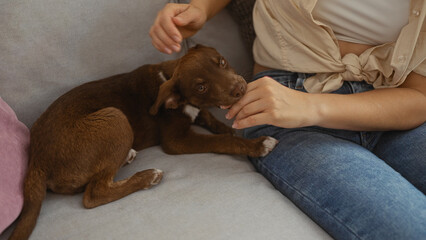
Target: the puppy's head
(202, 78)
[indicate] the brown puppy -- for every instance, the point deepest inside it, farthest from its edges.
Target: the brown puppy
(79, 143)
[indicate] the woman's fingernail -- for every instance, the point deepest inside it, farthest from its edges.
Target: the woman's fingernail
(176, 48)
(227, 116)
(176, 38)
(168, 51)
(234, 125)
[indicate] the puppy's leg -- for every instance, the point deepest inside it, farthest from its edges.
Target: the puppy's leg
(207, 120)
(102, 189)
(192, 142)
(110, 137)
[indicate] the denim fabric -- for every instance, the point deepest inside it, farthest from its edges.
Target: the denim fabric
(355, 185)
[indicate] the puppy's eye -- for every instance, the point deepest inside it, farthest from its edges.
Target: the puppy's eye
(201, 88)
(222, 62)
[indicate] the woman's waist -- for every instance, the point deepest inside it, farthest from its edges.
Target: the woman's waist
(344, 48)
(257, 68)
(296, 80)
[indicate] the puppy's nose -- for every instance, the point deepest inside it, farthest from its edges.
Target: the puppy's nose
(239, 90)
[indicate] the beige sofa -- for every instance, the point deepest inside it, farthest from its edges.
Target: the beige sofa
(49, 46)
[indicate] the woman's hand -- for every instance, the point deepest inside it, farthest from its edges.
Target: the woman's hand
(268, 102)
(174, 23)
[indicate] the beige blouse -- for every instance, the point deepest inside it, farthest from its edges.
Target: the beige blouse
(289, 38)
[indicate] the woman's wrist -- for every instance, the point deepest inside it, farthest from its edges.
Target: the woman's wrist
(333, 111)
(202, 10)
(316, 110)
(209, 8)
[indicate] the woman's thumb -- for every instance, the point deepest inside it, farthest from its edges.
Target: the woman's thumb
(185, 17)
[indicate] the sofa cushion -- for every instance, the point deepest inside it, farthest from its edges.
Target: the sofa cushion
(46, 49)
(14, 141)
(202, 196)
(241, 11)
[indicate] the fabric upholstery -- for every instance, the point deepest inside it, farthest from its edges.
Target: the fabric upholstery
(48, 47)
(241, 11)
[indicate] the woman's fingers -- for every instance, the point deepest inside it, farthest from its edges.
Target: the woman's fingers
(174, 23)
(250, 96)
(164, 33)
(252, 120)
(169, 25)
(254, 113)
(266, 102)
(255, 91)
(163, 42)
(251, 108)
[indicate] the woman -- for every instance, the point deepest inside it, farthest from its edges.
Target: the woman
(341, 84)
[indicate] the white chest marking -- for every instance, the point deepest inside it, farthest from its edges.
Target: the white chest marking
(162, 77)
(191, 111)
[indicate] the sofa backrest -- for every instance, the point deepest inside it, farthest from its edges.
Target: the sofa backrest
(49, 47)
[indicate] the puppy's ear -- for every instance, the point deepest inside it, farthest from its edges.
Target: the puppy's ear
(167, 95)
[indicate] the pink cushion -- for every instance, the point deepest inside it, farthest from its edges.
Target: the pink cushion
(14, 143)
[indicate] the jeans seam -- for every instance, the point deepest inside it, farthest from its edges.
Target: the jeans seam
(307, 198)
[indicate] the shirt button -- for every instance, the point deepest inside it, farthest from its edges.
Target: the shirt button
(416, 13)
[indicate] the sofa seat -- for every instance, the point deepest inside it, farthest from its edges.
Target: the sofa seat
(49, 47)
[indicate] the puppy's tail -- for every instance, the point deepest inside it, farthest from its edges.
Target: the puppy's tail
(34, 193)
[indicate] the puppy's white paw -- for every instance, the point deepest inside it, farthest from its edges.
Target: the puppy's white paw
(158, 176)
(131, 156)
(269, 143)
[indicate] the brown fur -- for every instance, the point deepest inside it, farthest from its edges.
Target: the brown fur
(79, 143)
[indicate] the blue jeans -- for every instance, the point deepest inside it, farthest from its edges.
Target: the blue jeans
(355, 185)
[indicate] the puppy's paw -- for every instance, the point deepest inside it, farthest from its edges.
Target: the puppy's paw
(131, 156)
(149, 177)
(269, 143)
(263, 146)
(157, 176)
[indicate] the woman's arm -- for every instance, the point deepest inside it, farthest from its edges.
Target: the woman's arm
(268, 102)
(399, 108)
(178, 21)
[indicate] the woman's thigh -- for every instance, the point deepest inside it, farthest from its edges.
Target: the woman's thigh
(405, 151)
(342, 186)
